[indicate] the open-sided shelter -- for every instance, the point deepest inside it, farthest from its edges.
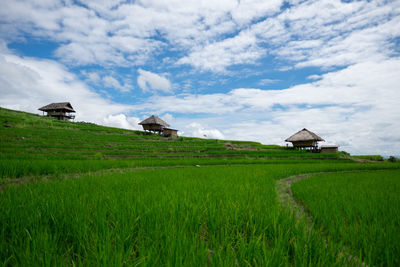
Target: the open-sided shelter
(305, 139)
(61, 111)
(154, 124)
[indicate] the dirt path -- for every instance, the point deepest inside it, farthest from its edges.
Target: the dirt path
(285, 197)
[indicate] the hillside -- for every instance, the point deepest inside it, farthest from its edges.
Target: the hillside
(33, 144)
(79, 194)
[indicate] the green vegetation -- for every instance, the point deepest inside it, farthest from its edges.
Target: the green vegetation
(370, 157)
(142, 199)
(32, 145)
(359, 210)
(191, 217)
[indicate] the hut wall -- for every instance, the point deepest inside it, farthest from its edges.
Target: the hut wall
(329, 149)
(304, 143)
(56, 113)
(170, 133)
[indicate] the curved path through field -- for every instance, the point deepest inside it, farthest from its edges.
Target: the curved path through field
(285, 197)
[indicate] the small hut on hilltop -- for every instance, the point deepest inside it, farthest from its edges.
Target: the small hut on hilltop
(61, 111)
(305, 139)
(153, 124)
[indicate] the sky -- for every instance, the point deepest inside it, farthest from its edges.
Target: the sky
(228, 69)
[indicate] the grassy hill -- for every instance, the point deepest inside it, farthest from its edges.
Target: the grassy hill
(36, 145)
(87, 195)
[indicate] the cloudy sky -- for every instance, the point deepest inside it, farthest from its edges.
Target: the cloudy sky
(234, 69)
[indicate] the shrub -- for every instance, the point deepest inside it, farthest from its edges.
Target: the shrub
(344, 154)
(370, 157)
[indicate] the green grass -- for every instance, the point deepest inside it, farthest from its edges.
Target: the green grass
(123, 209)
(360, 210)
(370, 157)
(218, 216)
(36, 145)
(192, 216)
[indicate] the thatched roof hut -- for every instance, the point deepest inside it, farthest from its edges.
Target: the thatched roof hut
(61, 111)
(62, 106)
(304, 138)
(154, 124)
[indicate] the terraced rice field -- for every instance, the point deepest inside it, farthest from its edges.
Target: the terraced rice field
(34, 145)
(82, 194)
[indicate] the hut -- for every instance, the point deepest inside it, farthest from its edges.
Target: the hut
(168, 132)
(330, 149)
(305, 139)
(154, 124)
(61, 111)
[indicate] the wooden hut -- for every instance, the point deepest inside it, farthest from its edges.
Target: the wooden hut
(168, 132)
(154, 124)
(330, 149)
(305, 139)
(61, 111)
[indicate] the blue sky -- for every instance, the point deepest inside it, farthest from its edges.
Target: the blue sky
(244, 70)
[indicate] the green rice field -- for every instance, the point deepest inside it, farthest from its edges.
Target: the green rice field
(79, 194)
(358, 210)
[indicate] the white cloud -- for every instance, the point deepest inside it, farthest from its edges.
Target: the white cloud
(335, 33)
(356, 107)
(351, 86)
(217, 56)
(122, 121)
(267, 81)
(92, 53)
(211, 35)
(198, 130)
(29, 83)
(313, 33)
(168, 118)
(92, 76)
(149, 81)
(314, 77)
(249, 10)
(339, 106)
(208, 103)
(111, 82)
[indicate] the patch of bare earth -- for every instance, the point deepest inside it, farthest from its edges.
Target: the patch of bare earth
(231, 146)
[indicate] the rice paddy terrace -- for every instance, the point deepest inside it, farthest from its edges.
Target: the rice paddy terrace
(83, 194)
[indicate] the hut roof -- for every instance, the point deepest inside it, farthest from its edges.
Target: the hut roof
(304, 135)
(154, 120)
(165, 128)
(58, 106)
